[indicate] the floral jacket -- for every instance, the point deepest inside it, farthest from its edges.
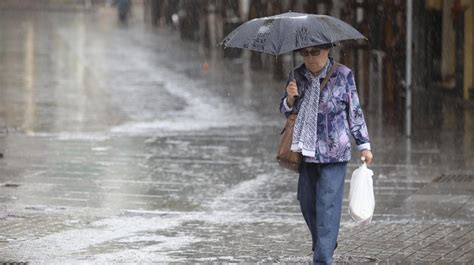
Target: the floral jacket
(339, 115)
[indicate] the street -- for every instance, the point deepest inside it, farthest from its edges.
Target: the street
(120, 146)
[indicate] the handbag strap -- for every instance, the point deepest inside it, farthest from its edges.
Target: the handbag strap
(329, 74)
(326, 79)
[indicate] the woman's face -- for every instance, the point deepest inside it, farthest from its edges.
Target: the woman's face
(315, 59)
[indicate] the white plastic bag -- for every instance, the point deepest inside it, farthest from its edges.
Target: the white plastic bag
(361, 195)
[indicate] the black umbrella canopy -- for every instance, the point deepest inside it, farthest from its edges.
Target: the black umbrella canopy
(290, 31)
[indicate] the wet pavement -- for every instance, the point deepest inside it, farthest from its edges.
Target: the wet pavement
(119, 146)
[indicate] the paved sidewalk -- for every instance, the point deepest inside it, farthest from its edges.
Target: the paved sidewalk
(206, 237)
(121, 149)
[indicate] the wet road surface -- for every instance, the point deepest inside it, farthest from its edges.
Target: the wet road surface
(120, 148)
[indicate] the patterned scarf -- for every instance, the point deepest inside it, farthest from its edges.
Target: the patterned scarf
(306, 127)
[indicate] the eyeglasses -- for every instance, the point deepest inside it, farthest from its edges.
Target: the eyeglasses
(313, 52)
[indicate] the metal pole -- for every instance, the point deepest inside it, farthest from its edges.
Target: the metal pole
(408, 68)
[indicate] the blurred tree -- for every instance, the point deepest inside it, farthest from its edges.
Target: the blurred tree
(394, 46)
(189, 15)
(160, 12)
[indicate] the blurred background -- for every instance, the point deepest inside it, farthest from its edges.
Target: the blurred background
(129, 134)
(442, 43)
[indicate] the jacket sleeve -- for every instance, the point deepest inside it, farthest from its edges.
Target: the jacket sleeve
(356, 120)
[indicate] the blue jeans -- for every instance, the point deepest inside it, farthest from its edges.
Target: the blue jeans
(320, 192)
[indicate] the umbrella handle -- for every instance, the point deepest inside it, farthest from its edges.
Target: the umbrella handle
(296, 97)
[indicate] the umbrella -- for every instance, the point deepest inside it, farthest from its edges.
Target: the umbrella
(290, 31)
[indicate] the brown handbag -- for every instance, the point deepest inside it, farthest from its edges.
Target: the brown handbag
(285, 157)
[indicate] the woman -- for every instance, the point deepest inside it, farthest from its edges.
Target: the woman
(326, 118)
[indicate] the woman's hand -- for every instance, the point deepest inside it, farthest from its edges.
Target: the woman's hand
(292, 91)
(367, 155)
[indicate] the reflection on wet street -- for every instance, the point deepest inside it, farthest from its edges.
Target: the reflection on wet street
(118, 147)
